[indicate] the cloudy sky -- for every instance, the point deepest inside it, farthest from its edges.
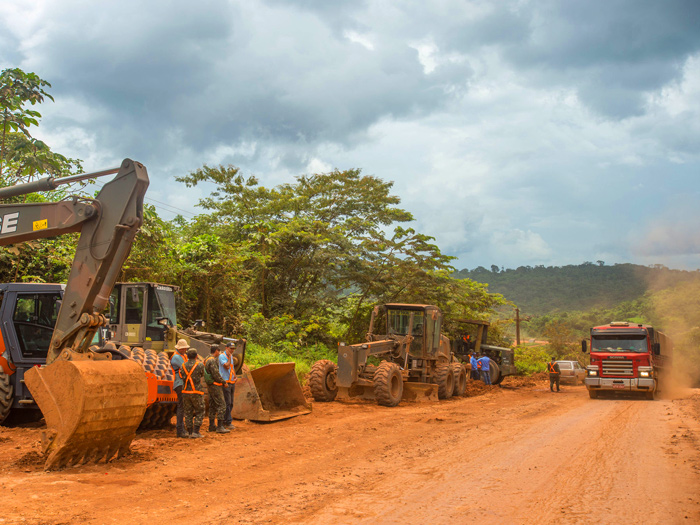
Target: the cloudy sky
(517, 132)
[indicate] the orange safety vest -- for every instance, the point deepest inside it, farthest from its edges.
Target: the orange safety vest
(552, 370)
(217, 364)
(231, 371)
(189, 379)
(478, 364)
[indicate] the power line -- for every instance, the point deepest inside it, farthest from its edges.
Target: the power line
(164, 206)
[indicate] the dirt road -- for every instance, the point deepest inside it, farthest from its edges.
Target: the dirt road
(516, 454)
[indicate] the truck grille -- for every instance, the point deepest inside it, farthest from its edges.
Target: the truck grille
(617, 367)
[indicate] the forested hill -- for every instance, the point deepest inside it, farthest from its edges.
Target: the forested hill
(539, 290)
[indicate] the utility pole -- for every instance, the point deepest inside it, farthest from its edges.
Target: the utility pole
(517, 326)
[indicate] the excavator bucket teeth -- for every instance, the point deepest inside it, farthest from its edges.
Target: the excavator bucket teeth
(91, 408)
(269, 393)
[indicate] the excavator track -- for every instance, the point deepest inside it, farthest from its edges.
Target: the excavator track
(92, 408)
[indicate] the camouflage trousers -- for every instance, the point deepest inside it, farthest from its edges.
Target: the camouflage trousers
(194, 410)
(217, 405)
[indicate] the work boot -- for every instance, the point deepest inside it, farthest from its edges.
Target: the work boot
(212, 425)
(221, 429)
(229, 426)
(196, 433)
(188, 433)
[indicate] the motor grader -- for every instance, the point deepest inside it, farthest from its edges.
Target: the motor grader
(406, 358)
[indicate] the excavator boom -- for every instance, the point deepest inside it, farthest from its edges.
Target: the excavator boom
(92, 404)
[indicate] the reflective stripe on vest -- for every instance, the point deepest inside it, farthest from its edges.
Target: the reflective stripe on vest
(231, 371)
(189, 379)
(552, 370)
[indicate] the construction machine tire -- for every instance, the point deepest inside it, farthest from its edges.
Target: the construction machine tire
(322, 380)
(495, 372)
(445, 379)
(388, 384)
(6, 395)
(593, 394)
(460, 378)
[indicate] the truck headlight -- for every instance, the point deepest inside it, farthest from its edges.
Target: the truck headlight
(593, 373)
(644, 373)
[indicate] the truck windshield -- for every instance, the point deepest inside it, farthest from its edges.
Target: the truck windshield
(619, 343)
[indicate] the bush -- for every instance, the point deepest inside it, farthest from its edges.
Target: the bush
(258, 355)
(531, 359)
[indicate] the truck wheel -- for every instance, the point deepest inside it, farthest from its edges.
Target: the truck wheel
(6, 395)
(445, 379)
(460, 374)
(593, 394)
(388, 384)
(322, 380)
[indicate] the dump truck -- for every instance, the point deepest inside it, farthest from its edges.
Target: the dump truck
(143, 317)
(627, 357)
(92, 398)
(473, 341)
(406, 358)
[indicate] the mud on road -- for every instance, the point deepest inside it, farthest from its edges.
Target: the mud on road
(517, 454)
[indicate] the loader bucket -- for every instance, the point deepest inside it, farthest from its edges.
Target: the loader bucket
(91, 408)
(269, 393)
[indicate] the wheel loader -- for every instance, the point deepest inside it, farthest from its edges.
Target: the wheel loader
(92, 398)
(143, 315)
(406, 358)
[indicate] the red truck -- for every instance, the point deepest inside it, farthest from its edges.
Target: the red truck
(627, 357)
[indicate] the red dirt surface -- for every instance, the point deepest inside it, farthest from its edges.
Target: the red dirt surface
(516, 454)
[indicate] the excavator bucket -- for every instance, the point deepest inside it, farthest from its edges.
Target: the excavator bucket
(269, 393)
(91, 408)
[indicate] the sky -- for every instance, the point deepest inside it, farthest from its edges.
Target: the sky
(516, 132)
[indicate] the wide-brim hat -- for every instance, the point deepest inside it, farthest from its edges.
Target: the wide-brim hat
(182, 344)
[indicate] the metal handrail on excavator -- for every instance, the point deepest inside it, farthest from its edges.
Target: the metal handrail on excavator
(92, 405)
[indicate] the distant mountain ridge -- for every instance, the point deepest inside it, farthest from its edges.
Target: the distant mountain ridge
(540, 290)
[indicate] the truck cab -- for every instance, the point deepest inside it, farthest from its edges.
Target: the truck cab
(626, 357)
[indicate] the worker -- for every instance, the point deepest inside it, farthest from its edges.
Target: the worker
(485, 369)
(228, 373)
(215, 386)
(192, 394)
(474, 367)
(554, 374)
(176, 363)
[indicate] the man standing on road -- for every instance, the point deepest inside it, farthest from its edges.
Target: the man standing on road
(176, 363)
(554, 374)
(215, 385)
(228, 373)
(191, 374)
(485, 369)
(474, 366)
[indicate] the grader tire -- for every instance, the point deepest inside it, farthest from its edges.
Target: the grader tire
(322, 380)
(388, 384)
(6, 395)
(460, 374)
(445, 379)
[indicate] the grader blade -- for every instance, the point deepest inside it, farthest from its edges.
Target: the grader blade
(269, 393)
(412, 392)
(91, 408)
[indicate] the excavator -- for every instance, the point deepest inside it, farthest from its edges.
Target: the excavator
(93, 399)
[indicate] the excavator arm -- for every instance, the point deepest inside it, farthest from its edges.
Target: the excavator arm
(92, 405)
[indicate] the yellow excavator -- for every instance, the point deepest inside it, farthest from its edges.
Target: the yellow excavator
(92, 398)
